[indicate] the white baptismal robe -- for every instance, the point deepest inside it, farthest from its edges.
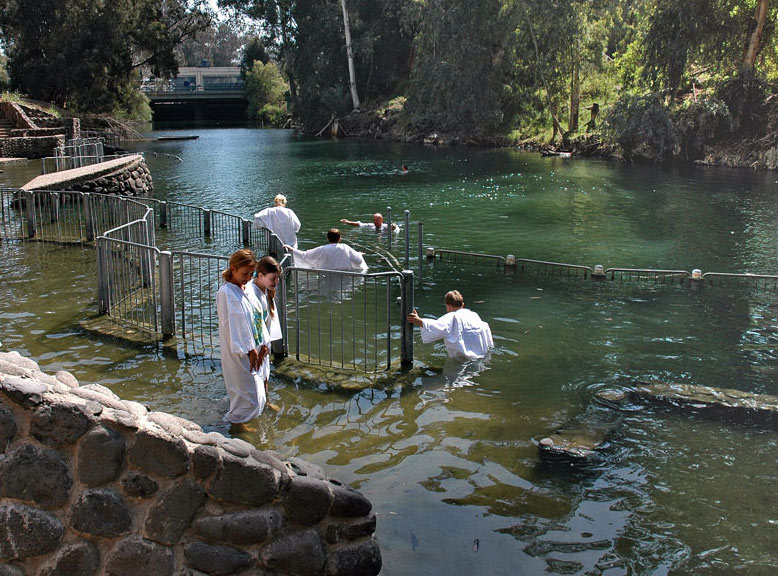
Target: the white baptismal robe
(465, 335)
(333, 256)
(273, 327)
(280, 220)
(236, 309)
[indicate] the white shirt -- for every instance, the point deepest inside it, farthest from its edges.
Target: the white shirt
(384, 226)
(331, 256)
(281, 221)
(465, 335)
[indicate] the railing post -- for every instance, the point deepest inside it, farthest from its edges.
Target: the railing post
(163, 214)
(54, 207)
(389, 225)
(281, 347)
(89, 223)
(207, 222)
(102, 277)
(407, 237)
(421, 251)
(406, 305)
(166, 292)
(275, 247)
(246, 231)
(29, 207)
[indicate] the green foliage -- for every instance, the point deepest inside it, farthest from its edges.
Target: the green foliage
(220, 44)
(459, 85)
(265, 90)
(697, 122)
(4, 79)
(744, 94)
(84, 55)
(641, 127)
(253, 51)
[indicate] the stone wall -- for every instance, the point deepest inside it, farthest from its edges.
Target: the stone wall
(30, 147)
(91, 484)
(134, 180)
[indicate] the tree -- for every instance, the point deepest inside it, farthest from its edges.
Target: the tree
(352, 82)
(461, 71)
(220, 44)
(265, 89)
(253, 51)
(85, 55)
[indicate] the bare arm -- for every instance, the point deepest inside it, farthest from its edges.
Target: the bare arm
(349, 222)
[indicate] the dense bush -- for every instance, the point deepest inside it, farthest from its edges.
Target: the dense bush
(265, 90)
(744, 95)
(698, 122)
(641, 127)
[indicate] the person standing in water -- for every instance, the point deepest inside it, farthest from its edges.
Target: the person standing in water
(268, 272)
(241, 342)
(280, 220)
(377, 224)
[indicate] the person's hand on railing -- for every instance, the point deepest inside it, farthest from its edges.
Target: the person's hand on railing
(413, 318)
(287, 248)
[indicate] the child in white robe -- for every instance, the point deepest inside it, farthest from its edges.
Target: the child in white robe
(264, 286)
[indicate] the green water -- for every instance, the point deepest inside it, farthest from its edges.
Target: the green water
(449, 460)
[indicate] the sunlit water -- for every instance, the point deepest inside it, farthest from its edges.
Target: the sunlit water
(449, 461)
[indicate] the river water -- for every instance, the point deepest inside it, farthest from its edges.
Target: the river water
(449, 460)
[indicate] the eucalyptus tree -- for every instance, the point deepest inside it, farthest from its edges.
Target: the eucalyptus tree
(86, 54)
(461, 78)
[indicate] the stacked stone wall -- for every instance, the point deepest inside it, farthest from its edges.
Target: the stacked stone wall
(30, 147)
(92, 484)
(134, 180)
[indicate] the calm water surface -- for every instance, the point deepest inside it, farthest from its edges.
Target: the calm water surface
(449, 460)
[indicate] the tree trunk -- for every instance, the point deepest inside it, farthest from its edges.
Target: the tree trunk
(351, 75)
(575, 95)
(754, 45)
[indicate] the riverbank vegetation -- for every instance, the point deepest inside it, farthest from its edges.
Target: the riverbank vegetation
(653, 79)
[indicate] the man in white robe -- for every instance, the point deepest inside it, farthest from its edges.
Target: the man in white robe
(377, 224)
(465, 335)
(332, 256)
(280, 220)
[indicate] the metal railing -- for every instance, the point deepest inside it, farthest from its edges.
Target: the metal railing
(349, 320)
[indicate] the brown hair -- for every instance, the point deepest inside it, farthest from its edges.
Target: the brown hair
(454, 298)
(268, 265)
(239, 259)
(333, 235)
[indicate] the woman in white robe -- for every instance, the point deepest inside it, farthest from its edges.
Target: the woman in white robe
(240, 333)
(280, 220)
(264, 287)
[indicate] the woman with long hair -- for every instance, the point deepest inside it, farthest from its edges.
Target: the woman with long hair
(242, 333)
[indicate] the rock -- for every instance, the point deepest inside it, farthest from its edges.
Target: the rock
(363, 559)
(136, 557)
(245, 527)
(81, 558)
(100, 513)
(139, 485)
(169, 517)
(159, 454)
(217, 560)
(26, 531)
(35, 475)
(100, 456)
(307, 500)
(348, 502)
(244, 481)
(299, 553)
(59, 423)
(205, 461)
(8, 427)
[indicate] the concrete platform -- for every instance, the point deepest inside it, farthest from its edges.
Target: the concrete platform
(60, 180)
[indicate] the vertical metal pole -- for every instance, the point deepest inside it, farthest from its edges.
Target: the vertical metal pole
(407, 238)
(54, 206)
(167, 294)
(389, 225)
(421, 251)
(207, 222)
(281, 347)
(29, 206)
(88, 217)
(163, 214)
(246, 231)
(275, 247)
(102, 276)
(406, 305)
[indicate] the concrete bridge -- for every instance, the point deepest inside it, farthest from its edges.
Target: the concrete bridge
(199, 93)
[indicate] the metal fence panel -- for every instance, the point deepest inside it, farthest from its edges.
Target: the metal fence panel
(12, 217)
